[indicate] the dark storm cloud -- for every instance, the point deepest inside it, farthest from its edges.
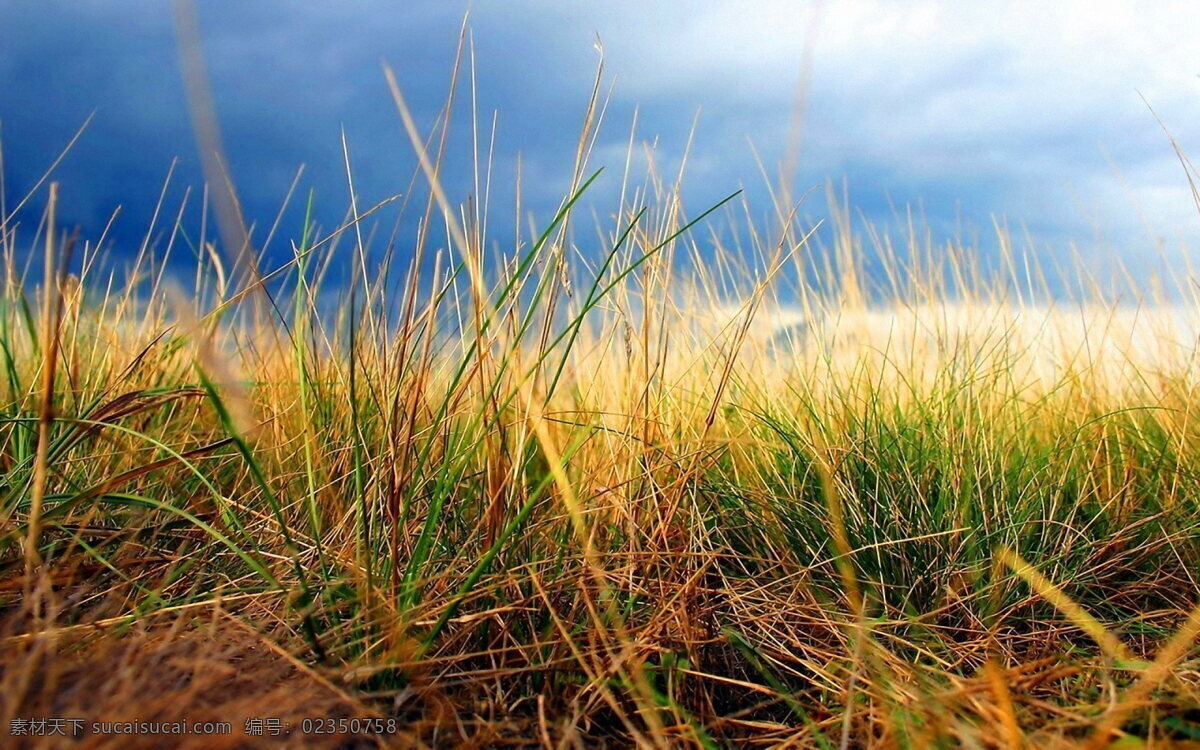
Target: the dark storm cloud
(286, 80)
(970, 113)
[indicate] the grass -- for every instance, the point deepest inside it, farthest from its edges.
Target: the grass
(670, 493)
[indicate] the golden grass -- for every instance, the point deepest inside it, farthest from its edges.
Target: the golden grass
(664, 492)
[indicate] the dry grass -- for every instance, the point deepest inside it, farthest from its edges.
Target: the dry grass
(668, 493)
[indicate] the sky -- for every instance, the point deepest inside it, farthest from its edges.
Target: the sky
(1040, 115)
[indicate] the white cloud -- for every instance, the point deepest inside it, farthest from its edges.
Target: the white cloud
(1029, 100)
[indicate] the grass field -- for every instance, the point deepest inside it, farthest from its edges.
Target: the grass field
(607, 482)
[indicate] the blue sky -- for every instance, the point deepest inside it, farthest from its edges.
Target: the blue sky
(1027, 111)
